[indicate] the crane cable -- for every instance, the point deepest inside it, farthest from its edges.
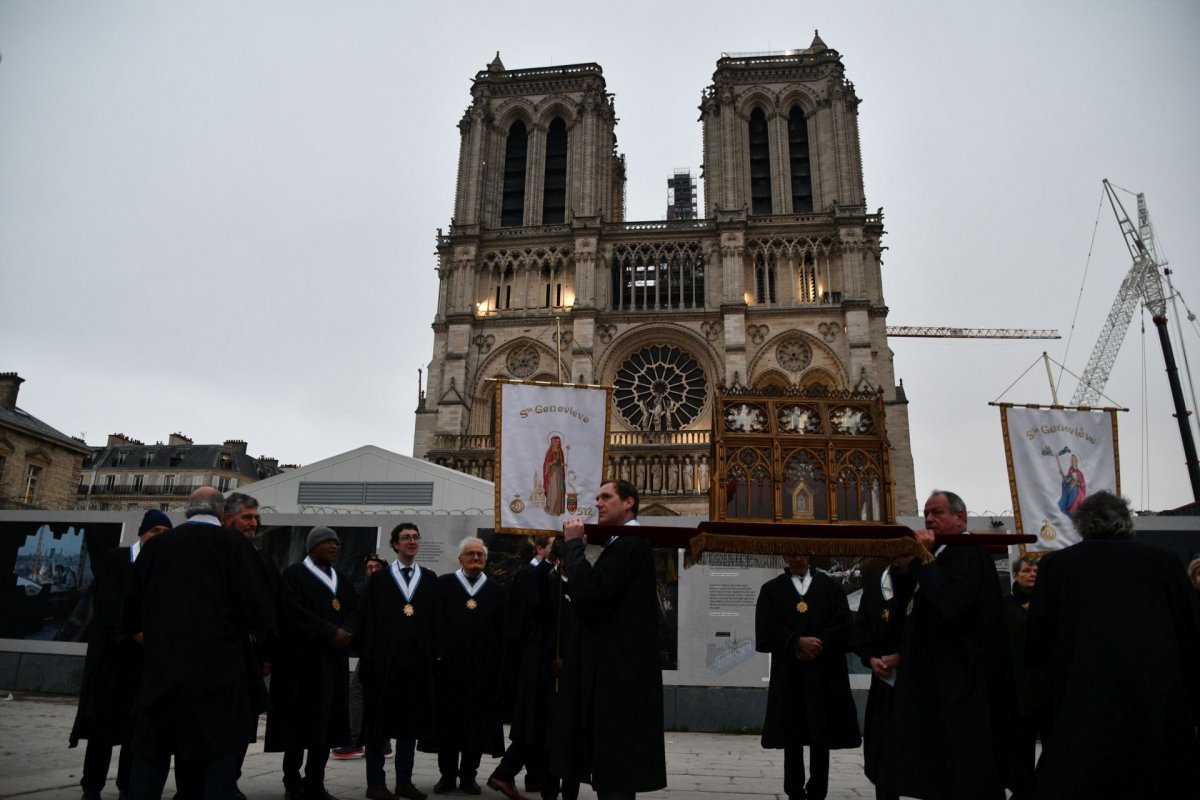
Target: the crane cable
(1082, 283)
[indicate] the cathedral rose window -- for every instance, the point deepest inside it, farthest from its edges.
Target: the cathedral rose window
(659, 388)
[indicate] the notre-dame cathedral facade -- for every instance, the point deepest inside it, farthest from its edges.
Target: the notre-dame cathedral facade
(776, 288)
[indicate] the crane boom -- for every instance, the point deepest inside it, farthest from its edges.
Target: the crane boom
(1142, 280)
(971, 333)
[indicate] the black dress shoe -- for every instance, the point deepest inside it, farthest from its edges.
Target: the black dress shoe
(506, 788)
(445, 784)
(409, 792)
(469, 786)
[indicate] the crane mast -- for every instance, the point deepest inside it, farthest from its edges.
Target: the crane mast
(1142, 283)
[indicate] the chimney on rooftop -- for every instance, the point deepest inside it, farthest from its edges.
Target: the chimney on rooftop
(236, 445)
(178, 439)
(10, 384)
(119, 439)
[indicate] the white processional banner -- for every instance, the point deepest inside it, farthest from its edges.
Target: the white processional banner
(551, 454)
(1056, 458)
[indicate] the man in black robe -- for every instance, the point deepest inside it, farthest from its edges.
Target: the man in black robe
(562, 723)
(1028, 681)
(396, 631)
(194, 599)
(310, 677)
(112, 670)
(528, 651)
(1115, 624)
(616, 688)
(880, 624)
(803, 620)
(242, 515)
(467, 642)
(952, 729)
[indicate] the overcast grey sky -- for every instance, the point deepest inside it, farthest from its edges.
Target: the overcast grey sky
(218, 218)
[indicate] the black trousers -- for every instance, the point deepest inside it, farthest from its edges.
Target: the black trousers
(97, 758)
(793, 773)
(520, 755)
(218, 777)
(451, 766)
(314, 769)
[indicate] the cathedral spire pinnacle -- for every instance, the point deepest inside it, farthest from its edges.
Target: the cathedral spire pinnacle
(816, 47)
(497, 65)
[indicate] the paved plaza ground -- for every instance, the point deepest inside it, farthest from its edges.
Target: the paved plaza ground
(36, 764)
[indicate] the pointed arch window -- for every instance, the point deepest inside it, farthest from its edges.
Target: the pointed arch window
(554, 187)
(760, 164)
(512, 208)
(764, 279)
(802, 198)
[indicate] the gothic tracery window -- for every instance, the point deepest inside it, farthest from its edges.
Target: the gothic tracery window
(760, 164)
(512, 208)
(798, 157)
(659, 388)
(554, 188)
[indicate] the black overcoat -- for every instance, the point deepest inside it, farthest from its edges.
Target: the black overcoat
(954, 721)
(880, 625)
(808, 702)
(112, 669)
(195, 595)
(310, 676)
(616, 693)
(529, 647)
(467, 648)
(396, 657)
(1115, 623)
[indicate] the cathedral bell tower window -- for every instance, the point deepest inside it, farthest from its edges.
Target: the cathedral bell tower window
(802, 199)
(760, 164)
(512, 210)
(554, 195)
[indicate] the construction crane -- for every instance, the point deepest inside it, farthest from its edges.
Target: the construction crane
(1142, 283)
(971, 333)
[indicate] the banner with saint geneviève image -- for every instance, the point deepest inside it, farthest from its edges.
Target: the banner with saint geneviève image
(551, 454)
(1056, 458)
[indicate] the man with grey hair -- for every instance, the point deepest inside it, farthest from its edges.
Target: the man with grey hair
(193, 601)
(953, 724)
(1115, 624)
(467, 644)
(310, 680)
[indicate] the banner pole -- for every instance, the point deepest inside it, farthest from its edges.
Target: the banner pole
(1050, 377)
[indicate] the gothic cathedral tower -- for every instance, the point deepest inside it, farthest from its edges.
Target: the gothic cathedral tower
(778, 287)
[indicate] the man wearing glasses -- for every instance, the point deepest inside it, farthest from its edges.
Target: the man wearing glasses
(470, 625)
(396, 663)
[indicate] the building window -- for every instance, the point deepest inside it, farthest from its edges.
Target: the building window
(168, 482)
(512, 207)
(176, 458)
(660, 388)
(764, 279)
(110, 481)
(223, 484)
(650, 277)
(147, 457)
(3, 459)
(138, 482)
(802, 199)
(554, 194)
(119, 458)
(33, 482)
(760, 164)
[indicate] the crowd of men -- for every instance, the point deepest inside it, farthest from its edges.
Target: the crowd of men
(193, 623)
(1095, 652)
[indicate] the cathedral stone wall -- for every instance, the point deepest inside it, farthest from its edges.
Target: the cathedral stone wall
(780, 285)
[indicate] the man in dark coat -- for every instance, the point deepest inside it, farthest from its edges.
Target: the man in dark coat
(1028, 681)
(310, 677)
(880, 624)
(528, 651)
(617, 685)
(563, 741)
(1114, 623)
(803, 620)
(396, 631)
(112, 670)
(242, 515)
(194, 600)
(467, 642)
(952, 730)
